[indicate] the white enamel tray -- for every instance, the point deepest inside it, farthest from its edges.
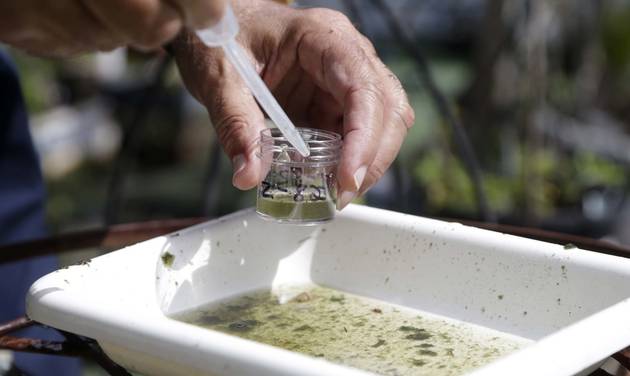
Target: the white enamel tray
(572, 303)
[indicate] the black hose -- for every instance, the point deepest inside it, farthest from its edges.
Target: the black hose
(466, 151)
(125, 157)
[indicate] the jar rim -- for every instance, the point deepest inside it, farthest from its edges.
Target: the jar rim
(312, 137)
(325, 147)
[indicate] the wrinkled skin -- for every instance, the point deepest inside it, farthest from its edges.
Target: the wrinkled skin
(59, 28)
(323, 72)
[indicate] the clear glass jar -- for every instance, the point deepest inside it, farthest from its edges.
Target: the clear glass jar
(296, 189)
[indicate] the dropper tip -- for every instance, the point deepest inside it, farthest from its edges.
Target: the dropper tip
(305, 152)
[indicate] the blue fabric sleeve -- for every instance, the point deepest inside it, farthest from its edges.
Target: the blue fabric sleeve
(22, 218)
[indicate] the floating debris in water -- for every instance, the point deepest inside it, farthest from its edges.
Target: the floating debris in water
(243, 325)
(167, 259)
(343, 328)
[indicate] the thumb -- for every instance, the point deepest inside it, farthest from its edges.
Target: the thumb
(238, 121)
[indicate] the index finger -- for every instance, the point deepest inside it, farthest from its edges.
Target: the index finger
(342, 68)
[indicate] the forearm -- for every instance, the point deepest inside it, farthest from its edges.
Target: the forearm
(64, 28)
(12, 23)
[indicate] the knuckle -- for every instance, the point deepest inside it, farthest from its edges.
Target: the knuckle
(368, 45)
(402, 108)
(229, 128)
(409, 116)
(397, 84)
(405, 116)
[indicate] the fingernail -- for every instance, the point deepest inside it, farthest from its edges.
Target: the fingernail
(238, 164)
(345, 198)
(359, 175)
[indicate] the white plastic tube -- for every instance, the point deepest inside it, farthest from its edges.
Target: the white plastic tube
(223, 34)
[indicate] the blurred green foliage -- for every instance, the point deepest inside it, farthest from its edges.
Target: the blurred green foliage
(615, 37)
(37, 80)
(562, 179)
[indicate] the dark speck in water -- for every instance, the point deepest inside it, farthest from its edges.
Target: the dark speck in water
(407, 328)
(419, 336)
(379, 343)
(418, 362)
(500, 297)
(377, 310)
(428, 353)
(243, 325)
(337, 299)
(303, 328)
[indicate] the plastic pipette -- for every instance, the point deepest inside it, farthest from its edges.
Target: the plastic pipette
(223, 35)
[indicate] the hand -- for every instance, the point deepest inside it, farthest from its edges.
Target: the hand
(68, 27)
(324, 73)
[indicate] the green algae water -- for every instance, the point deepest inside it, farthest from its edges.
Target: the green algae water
(288, 209)
(356, 331)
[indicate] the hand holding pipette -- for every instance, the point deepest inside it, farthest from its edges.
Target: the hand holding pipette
(322, 71)
(223, 34)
